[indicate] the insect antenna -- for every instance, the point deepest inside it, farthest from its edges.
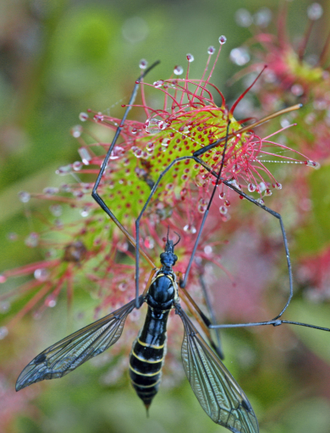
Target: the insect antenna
(179, 238)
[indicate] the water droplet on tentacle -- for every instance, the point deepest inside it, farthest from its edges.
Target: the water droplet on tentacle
(178, 70)
(143, 64)
(189, 228)
(85, 155)
(50, 190)
(190, 58)
(50, 301)
(3, 332)
(64, 169)
(240, 56)
(313, 164)
(76, 131)
(83, 117)
(56, 209)
(32, 240)
(24, 196)
(149, 242)
(243, 18)
(41, 274)
(314, 11)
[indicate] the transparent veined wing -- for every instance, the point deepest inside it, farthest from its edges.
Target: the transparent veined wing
(215, 388)
(66, 355)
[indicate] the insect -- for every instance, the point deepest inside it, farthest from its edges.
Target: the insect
(216, 390)
(208, 377)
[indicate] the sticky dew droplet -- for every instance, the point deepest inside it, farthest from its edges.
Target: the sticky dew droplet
(136, 151)
(222, 39)
(314, 11)
(243, 18)
(268, 192)
(154, 125)
(85, 211)
(76, 131)
(85, 155)
(149, 242)
(32, 240)
(239, 56)
(50, 301)
(278, 185)
(41, 274)
(313, 164)
(24, 196)
(4, 307)
(165, 142)
(64, 169)
(189, 228)
(202, 205)
(262, 17)
(178, 70)
(159, 83)
(56, 210)
(143, 64)
(83, 117)
(3, 332)
(117, 152)
(208, 250)
(122, 287)
(50, 191)
(150, 147)
(99, 117)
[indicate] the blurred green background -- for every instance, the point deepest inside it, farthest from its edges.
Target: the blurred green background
(58, 58)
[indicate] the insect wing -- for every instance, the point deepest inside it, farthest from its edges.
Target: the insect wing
(68, 354)
(215, 388)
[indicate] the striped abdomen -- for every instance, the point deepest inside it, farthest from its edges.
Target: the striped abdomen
(147, 355)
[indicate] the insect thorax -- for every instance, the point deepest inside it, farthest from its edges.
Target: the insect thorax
(163, 291)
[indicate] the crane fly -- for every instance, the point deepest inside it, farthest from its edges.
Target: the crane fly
(215, 388)
(213, 385)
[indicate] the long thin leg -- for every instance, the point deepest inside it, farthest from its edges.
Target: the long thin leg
(238, 191)
(285, 240)
(273, 322)
(205, 149)
(102, 204)
(95, 194)
(212, 319)
(271, 212)
(218, 177)
(137, 222)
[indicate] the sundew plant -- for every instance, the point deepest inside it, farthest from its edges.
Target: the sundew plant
(83, 251)
(189, 119)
